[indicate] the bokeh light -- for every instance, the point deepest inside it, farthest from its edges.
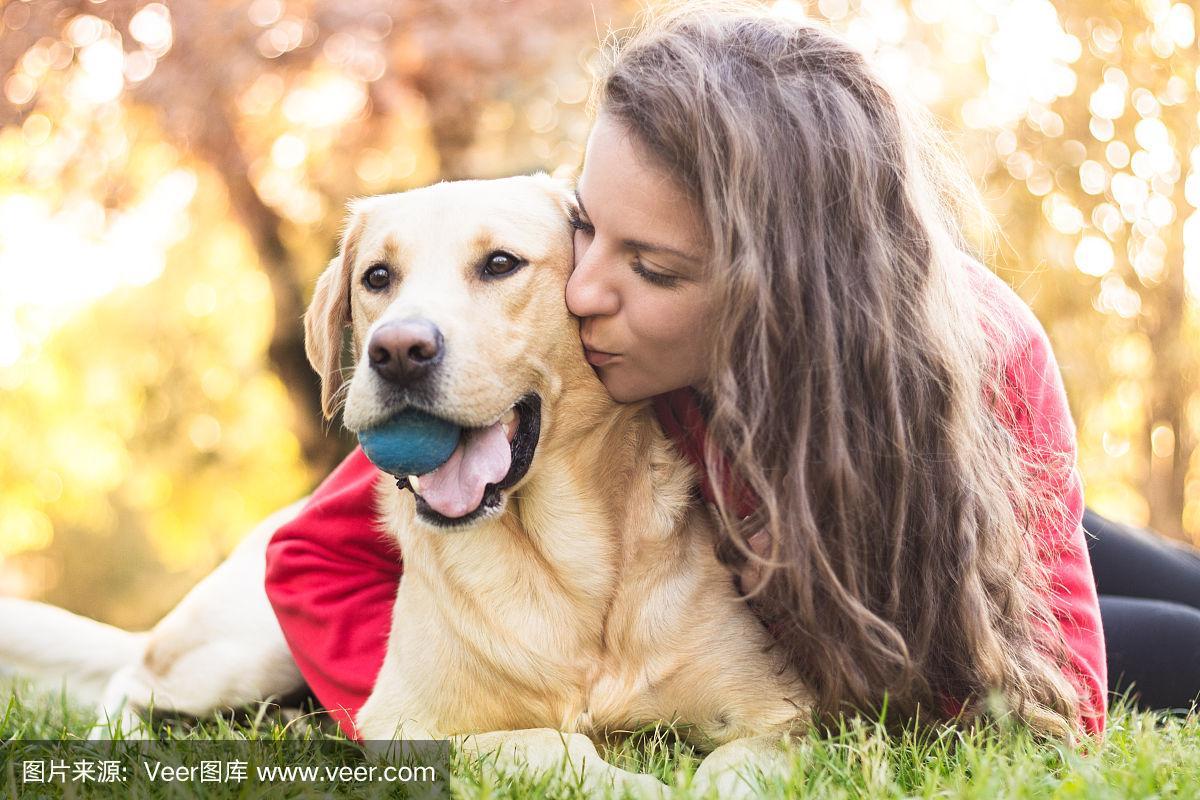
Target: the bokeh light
(172, 178)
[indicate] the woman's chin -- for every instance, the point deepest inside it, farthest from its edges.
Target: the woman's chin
(625, 391)
(621, 390)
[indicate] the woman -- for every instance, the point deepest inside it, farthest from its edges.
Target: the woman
(769, 247)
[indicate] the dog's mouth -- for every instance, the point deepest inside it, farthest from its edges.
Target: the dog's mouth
(486, 462)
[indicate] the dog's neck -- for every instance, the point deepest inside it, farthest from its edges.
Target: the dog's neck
(609, 468)
(602, 467)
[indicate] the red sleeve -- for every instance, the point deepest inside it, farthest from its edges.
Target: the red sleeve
(332, 577)
(1046, 432)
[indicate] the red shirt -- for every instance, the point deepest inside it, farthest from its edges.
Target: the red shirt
(332, 575)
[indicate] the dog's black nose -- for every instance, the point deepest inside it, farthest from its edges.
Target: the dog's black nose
(404, 351)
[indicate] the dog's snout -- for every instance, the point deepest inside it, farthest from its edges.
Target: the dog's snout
(404, 351)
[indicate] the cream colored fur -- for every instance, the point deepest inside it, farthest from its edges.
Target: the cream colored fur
(591, 601)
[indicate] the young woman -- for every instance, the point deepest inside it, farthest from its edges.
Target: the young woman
(768, 246)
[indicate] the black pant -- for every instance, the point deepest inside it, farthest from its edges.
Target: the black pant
(1149, 591)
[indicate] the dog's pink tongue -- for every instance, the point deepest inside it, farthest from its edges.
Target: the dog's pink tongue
(456, 488)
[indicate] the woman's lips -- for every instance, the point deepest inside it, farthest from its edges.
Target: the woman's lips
(597, 358)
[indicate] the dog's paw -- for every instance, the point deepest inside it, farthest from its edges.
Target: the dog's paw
(125, 725)
(116, 719)
(742, 768)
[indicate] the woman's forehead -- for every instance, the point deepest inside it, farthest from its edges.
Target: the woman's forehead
(621, 187)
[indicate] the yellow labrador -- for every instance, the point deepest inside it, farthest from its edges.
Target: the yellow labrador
(559, 584)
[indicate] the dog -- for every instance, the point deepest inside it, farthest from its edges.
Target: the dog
(566, 589)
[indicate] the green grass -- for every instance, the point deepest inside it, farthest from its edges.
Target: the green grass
(1143, 756)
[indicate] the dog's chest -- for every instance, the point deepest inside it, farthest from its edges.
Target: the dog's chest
(488, 636)
(615, 694)
(571, 679)
(537, 659)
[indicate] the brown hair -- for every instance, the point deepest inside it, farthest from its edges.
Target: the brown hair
(852, 388)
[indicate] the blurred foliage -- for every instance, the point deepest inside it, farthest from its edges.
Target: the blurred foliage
(171, 182)
(172, 178)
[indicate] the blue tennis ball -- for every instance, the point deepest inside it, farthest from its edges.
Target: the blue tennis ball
(410, 443)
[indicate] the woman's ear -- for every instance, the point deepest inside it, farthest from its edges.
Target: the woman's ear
(328, 313)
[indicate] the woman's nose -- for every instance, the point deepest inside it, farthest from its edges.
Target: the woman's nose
(589, 292)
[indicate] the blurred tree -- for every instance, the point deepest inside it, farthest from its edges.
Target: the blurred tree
(172, 177)
(201, 154)
(1110, 171)
(194, 62)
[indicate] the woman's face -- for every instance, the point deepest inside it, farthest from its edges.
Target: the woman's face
(638, 285)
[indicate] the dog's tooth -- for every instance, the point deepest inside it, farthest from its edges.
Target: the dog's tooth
(508, 417)
(415, 483)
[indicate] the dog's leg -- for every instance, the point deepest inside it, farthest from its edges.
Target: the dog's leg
(385, 715)
(115, 715)
(51, 646)
(545, 750)
(734, 768)
(220, 648)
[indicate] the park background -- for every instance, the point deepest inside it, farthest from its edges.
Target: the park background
(172, 179)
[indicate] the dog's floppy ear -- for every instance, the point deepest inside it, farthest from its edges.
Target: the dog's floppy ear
(328, 313)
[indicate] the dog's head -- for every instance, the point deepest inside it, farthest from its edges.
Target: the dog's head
(453, 295)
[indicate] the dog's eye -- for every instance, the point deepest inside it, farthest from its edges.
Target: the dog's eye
(501, 263)
(377, 277)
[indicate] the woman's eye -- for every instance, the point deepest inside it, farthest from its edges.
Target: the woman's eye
(501, 263)
(377, 278)
(656, 278)
(578, 224)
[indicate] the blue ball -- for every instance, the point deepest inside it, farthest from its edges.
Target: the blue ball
(410, 443)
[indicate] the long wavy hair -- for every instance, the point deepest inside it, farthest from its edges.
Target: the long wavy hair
(853, 387)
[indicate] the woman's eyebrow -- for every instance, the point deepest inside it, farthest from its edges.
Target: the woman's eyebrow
(637, 244)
